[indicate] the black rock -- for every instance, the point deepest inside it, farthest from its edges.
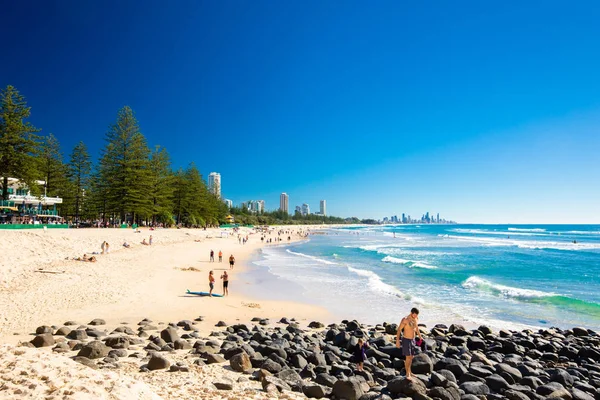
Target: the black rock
(401, 385)
(422, 364)
(221, 323)
(97, 321)
(271, 366)
(349, 389)
(515, 395)
(273, 380)
(224, 384)
(443, 394)
(513, 372)
(77, 334)
(316, 325)
(214, 359)
(117, 342)
(314, 391)
(496, 383)
(326, 380)
(93, 350)
(292, 378)
(562, 377)
(240, 362)
(548, 388)
(476, 388)
(158, 362)
(43, 340)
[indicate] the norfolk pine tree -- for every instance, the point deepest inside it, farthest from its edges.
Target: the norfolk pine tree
(124, 168)
(79, 174)
(162, 180)
(18, 141)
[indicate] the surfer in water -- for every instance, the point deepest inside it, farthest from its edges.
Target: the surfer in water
(410, 326)
(211, 282)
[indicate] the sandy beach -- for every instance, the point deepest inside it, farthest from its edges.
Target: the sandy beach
(41, 284)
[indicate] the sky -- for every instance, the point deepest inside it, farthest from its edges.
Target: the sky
(486, 112)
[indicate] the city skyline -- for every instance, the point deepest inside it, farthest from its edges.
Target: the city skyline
(408, 107)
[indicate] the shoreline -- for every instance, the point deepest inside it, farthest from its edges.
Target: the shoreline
(126, 285)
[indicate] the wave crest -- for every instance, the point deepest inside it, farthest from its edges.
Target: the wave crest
(311, 257)
(408, 263)
(484, 285)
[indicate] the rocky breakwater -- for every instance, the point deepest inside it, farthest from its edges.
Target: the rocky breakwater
(286, 359)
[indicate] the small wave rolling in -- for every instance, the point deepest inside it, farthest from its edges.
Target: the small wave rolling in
(508, 275)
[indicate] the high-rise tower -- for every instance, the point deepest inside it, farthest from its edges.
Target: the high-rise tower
(214, 183)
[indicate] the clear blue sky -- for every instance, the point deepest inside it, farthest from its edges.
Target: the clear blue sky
(482, 111)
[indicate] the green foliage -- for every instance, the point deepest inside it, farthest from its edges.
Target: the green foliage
(161, 183)
(79, 169)
(124, 169)
(18, 142)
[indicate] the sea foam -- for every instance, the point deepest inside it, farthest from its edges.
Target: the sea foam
(484, 285)
(311, 257)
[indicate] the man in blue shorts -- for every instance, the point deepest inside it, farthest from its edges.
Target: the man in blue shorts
(410, 326)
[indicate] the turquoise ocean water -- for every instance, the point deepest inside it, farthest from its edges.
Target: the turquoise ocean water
(510, 276)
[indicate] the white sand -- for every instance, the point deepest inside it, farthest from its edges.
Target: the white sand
(41, 285)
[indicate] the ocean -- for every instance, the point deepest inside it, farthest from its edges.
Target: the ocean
(506, 276)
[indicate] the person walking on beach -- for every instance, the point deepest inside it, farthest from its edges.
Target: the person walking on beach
(225, 278)
(220, 256)
(150, 240)
(212, 256)
(211, 282)
(103, 247)
(410, 326)
(231, 261)
(360, 353)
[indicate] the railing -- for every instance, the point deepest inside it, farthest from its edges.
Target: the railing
(7, 203)
(33, 199)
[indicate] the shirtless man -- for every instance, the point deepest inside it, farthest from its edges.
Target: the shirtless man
(410, 325)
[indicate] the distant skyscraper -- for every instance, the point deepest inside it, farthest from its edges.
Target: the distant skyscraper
(284, 201)
(299, 209)
(403, 218)
(214, 183)
(261, 206)
(305, 209)
(438, 218)
(323, 208)
(228, 203)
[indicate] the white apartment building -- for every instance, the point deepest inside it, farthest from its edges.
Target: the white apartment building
(323, 208)
(214, 183)
(284, 202)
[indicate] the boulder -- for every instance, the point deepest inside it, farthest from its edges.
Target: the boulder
(214, 359)
(181, 344)
(316, 325)
(475, 388)
(513, 372)
(43, 329)
(292, 378)
(563, 377)
(93, 350)
(97, 321)
(326, 379)
(224, 384)
(401, 385)
(443, 394)
(349, 389)
(274, 381)
(240, 362)
(77, 334)
(271, 366)
(314, 391)
(43, 340)
(422, 364)
(169, 335)
(496, 383)
(581, 395)
(548, 388)
(515, 395)
(64, 331)
(158, 362)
